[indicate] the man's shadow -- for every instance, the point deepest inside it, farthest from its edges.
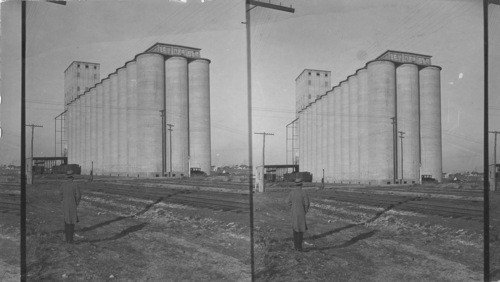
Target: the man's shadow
(358, 237)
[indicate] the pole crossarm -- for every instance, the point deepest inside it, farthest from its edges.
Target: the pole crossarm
(270, 6)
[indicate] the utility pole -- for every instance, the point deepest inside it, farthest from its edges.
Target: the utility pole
(395, 147)
(401, 133)
(32, 137)
(263, 155)
(248, 8)
(163, 144)
(170, 153)
(495, 161)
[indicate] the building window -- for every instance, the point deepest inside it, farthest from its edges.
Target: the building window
(317, 74)
(86, 66)
(78, 65)
(326, 74)
(77, 74)
(309, 73)
(95, 67)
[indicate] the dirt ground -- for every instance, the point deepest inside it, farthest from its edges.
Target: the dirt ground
(129, 239)
(349, 242)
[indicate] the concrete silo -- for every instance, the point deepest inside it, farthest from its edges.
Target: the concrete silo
(314, 140)
(307, 134)
(176, 95)
(81, 132)
(106, 126)
(118, 122)
(150, 91)
(345, 122)
(337, 128)
(113, 120)
(122, 122)
(88, 118)
(70, 117)
(132, 116)
(352, 81)
(363, 124)
(324, 135)
(330, 149)
(430, 122)
(93, 129)
(381, 108)
(300, 124)
(100, 129)
(408, 122)
(199, 115)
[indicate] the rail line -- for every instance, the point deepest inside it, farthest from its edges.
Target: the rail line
(214, 200)
(466, 209)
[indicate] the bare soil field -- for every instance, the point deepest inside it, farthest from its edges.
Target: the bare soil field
(353, 242)
(132, 239)
(9, 225)
(129, 238)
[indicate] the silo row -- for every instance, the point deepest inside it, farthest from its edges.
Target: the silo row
(115, 128)
(354, 131)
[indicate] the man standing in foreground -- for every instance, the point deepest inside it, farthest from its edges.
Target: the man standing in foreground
(298, 200)
(70, 197)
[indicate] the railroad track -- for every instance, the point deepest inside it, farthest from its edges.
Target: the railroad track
(465, 209)
(208, 199)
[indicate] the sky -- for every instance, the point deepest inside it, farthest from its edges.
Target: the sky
(338, 36)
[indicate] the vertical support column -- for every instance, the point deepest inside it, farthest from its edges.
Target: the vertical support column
(106, 126)
(407, 110)
(337, 128)
(199, 114)
(319, 137)
(99, 129)
(345, 119)
(132, 117)
(353, 129)
(430, 122)
(363, 125)
(381, 106)
(81, 134)
(122, 122)
(113, 119)
(151, 91)
(176, 83)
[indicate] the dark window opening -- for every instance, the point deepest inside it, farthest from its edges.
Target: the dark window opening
(78, 65)
(95, 67)
(326, 74)
(309, 73)
(317, 74)
(86, 66)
